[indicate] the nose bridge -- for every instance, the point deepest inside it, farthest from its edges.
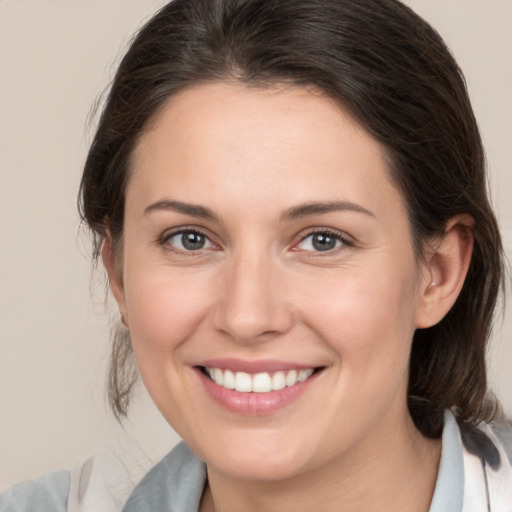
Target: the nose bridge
(253, 305)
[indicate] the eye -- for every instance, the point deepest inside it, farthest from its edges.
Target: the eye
(321, 241)
(189, 240)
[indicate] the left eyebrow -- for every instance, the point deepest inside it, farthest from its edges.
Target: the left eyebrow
(310, 209)
(193, 210)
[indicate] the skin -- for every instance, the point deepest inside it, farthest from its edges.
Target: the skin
(259, 290)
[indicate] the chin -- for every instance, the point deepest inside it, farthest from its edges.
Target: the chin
(257, 459)
(254, 468)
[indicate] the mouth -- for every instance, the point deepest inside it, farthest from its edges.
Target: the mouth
(257, 388)
(262, 382)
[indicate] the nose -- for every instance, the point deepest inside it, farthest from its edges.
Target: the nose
(252, 306)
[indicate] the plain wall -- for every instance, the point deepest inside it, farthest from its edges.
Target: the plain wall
(55, 57)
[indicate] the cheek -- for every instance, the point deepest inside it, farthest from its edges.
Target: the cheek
(367, 319)
(368, 325)
(164, 308)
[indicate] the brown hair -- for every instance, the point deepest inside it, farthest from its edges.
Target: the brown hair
(393, 72)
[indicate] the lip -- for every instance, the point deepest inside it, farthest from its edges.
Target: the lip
(253, 367)
(254, 404)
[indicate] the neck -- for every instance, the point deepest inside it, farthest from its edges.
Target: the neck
(396, 466)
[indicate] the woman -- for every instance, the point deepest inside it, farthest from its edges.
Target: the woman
(290, 202)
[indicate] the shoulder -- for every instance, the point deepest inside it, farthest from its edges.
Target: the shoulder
(113, 481)
(503, 433)
(176, 484)
(102, 483)
(39, 495)
(491, 443)
(487, 467)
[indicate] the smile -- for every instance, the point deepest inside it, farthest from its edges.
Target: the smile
(263, 382)
(256, 388)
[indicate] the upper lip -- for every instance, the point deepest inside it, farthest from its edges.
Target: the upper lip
(265, 365)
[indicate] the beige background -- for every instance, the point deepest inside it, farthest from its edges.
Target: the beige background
(55, 56)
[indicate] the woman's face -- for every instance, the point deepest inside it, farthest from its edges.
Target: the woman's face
(265, 244)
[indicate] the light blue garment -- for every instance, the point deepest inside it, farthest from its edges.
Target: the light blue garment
(449, 491)
(46, 494)
(177, 482)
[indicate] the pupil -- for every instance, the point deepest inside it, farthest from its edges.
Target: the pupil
(323, 242)
(192, 241)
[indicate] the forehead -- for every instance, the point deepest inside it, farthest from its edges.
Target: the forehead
(218, 141)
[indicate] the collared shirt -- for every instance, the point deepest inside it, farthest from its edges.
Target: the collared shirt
(474, 476)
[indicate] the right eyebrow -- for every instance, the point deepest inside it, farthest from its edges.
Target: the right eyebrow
(319, 208)
(194, 210)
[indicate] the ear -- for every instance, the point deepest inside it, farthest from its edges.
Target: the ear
(445, 270)
(114, 276)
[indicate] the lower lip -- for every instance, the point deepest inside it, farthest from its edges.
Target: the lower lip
(255, 404)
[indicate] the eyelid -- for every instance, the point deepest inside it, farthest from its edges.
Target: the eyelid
(346, 240)
(166, 235)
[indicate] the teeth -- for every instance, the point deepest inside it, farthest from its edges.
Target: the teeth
(243, 382)
(258, 383)
(262, 383)
(218, 376)
(291, 378)
(278, 381)
(304, 374)
(229, 380)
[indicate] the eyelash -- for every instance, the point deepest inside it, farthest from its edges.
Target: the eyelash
(338, 236)
(164, 240)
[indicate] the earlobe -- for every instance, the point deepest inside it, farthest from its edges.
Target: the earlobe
(114, 277)
(445, 270)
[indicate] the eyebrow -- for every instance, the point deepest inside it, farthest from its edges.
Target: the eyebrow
(194, 210)
(310, 209)
(296, 212)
